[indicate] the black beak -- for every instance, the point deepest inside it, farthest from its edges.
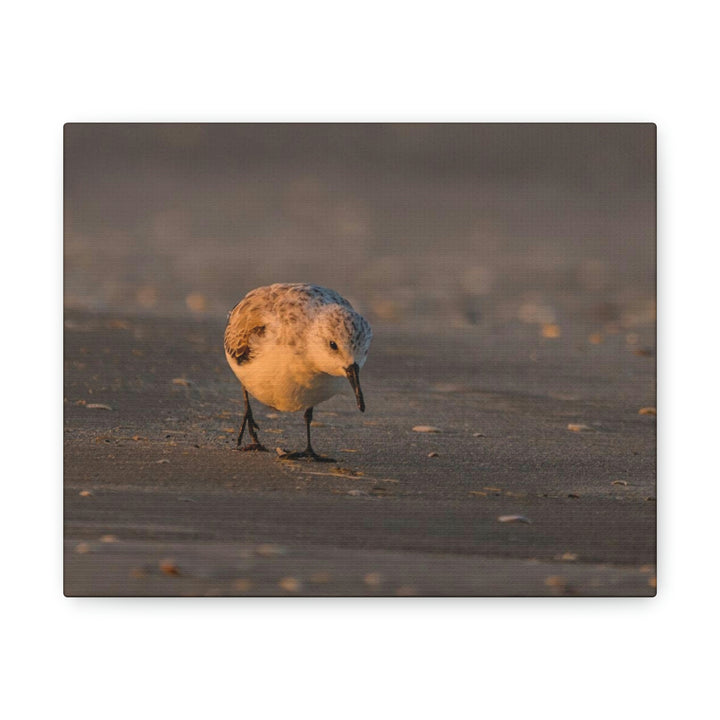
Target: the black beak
(353, 375)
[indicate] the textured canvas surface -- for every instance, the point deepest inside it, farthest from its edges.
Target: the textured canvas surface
(508, 272)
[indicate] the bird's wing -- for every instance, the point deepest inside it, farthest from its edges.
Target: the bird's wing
(254, 314)
(246, 323)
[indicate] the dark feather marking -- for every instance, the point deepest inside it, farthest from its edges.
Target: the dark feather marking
(240, 349)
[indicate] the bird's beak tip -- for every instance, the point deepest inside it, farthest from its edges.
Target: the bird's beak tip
(353, 375)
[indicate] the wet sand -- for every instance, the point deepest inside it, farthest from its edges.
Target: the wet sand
(158, 501)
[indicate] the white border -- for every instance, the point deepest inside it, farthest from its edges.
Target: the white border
(555, 61)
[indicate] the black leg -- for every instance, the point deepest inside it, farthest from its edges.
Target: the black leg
(249, 421)
(308, 453)
(308, 420)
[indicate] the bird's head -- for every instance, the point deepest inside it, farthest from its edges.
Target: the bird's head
(338, 345)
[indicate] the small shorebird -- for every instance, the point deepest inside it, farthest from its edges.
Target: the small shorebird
(292, 345)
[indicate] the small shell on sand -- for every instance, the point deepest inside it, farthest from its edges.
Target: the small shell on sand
(426, 429)
(513, 519)
(566, 556)
(269, 550)
(578, 427)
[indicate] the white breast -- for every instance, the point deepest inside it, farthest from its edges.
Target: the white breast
(279, 378)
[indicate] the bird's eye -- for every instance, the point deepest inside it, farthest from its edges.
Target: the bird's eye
(333, 345)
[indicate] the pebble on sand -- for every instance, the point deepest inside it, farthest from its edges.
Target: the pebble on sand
(196, 302)
(426, 429)
(169, 567)
(290, 584)
(555, 581)
(550, 330)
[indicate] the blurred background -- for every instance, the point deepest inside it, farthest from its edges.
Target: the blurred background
(465, 224)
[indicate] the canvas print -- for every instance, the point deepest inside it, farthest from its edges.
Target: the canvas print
(360, 359)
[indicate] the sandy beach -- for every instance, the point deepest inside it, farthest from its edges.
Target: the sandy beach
(158, 501)
(508, 272)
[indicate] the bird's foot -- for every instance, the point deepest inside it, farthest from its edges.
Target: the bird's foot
(253, 447)
(307, 454)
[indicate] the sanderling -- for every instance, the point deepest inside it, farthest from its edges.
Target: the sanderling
(290, 345)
